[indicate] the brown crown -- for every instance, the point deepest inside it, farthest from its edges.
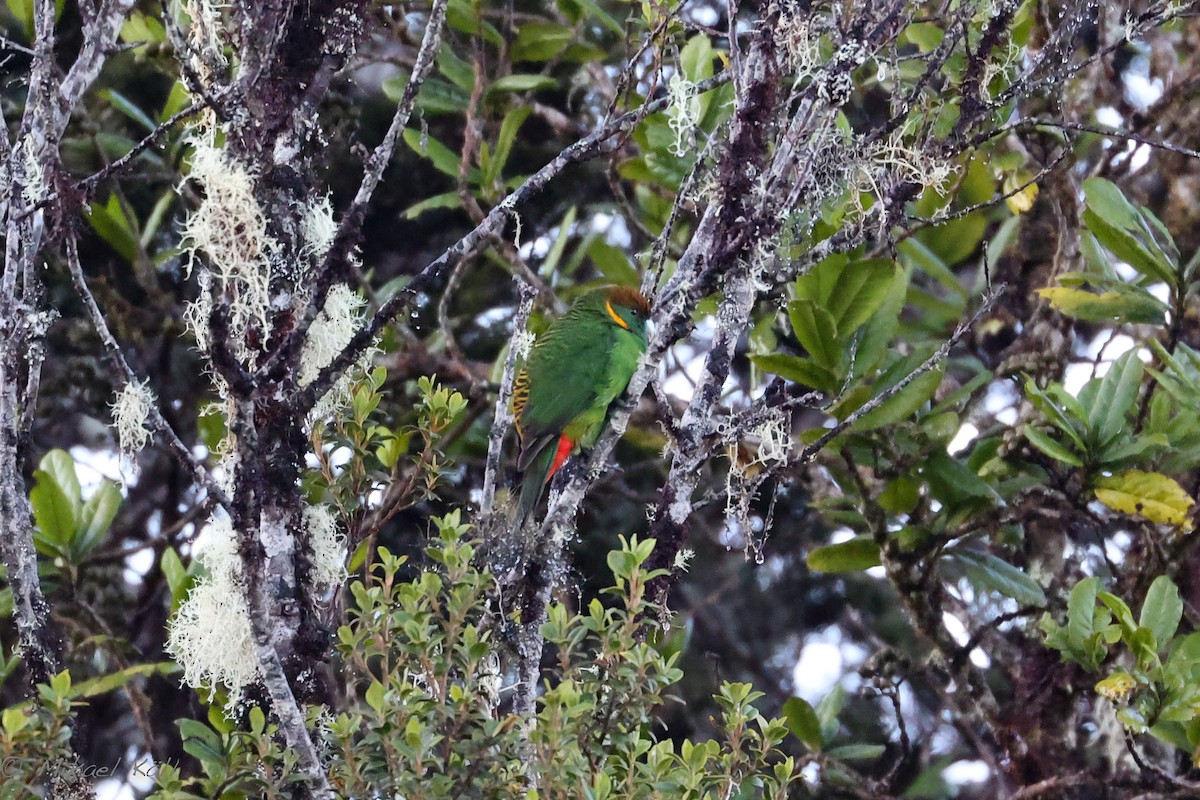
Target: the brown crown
(630, 298)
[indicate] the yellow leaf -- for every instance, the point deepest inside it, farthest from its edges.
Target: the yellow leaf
(1019, 201)
(1116, 686)
(1149, 494)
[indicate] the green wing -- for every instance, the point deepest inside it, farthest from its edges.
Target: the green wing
(567, 369)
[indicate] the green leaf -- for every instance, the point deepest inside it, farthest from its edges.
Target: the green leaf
(904, 403)
(202, 743)
(459, 71)
(444, 159)
(1148, 494)
(1129, 233)
(513, 121)
(860, 290)
(612, 263)
(857, 752)
(804, 371)
(852, 555)
(96, 517)
(986, 571)
(1114, 399)
(540, 41)
(56, 501)
(1135, 305)
(816, 330)
(1162, 611)
(1061, 412)
(595, 12)
(818, 283)
(173, 571)
(110, 223)
(802, 721)
(1104, 198)
(521, 83)
(925, 259)
(878, 331)
(1120, 611)
(925, 35)
(129, 109)
(828, 710)
(1121, 451)
(115, 680)
(1081, 606)
(1051, 447)
(445, 200)
(952, 481)
(695, 59)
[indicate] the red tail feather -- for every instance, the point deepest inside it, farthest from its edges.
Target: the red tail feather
(565, 446)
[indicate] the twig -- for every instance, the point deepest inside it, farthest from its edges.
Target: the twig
(503, 416)
(126, 375)
(349, 229)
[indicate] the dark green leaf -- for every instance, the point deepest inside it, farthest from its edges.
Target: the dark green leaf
(540, 41)
(95, 518)
(1081, 606)
(803, 723)
(1062, 417)
(816, 330)
(521, 83)
(804, 371)
(860, 291)
(1115, 398)
(857, 752)
(1051, 447)
(853, 555)
(445, 200)
(986, 571)
(1162, 610)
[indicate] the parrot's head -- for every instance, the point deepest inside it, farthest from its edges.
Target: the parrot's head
(626, 308)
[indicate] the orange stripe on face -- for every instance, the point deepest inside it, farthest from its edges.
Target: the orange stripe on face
(560, 455)
(615, 316)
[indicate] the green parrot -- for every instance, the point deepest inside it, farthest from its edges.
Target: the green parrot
(574, 373)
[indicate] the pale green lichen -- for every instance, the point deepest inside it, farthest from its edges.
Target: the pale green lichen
(131, 412)
(210, 635)
(328, 545)
(339, 320)
(230, 229)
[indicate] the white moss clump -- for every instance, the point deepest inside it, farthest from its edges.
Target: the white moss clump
(328, 335)
(230, 229)
(205, 31)
(328, 545)
(210, 636)
(34, 189)
(318, 227)
(523, 343)
(130, 414)
(683, 113)
(774, 439)
(801, 44)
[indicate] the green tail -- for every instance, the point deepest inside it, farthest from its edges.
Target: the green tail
(533, 484)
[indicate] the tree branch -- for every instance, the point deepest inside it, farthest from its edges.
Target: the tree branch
(126, 375)
(503, 416)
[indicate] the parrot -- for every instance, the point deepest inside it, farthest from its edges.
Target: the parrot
(575, 371)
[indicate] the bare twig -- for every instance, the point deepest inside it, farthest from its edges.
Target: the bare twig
(350, 227)
(503, 417)
(126, 375)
